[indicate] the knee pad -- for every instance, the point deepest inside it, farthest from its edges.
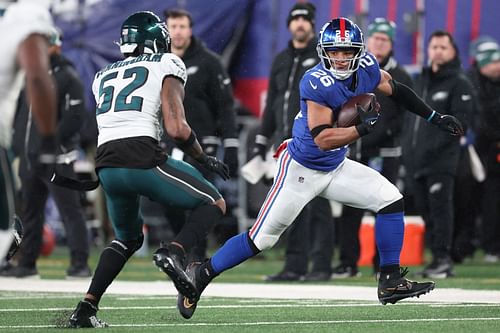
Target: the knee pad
(127, 248)
(395, 207)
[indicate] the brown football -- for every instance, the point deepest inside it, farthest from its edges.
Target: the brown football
(348, 115)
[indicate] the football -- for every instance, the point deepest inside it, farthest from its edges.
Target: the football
(348, 115)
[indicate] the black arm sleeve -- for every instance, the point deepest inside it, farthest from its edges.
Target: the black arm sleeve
(406, 97)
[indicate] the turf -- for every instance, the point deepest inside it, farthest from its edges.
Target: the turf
(473, 274)
(48, 313)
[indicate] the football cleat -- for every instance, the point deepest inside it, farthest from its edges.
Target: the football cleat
(85, 316)
(394, 287)
(186, 305)
(171, 265)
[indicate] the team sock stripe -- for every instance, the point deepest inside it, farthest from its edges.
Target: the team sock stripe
(285, 162)
(269, 194)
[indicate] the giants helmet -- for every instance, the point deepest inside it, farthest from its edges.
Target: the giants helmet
(341, 34)
(144, 32)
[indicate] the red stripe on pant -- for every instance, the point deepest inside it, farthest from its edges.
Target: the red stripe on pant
(266, 206)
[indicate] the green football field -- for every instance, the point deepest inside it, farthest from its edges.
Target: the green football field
(141, 311)
(42, 312)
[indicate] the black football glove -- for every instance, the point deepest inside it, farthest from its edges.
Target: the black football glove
(231, 160)
(447, 123)
(46, 157)
(368, 118)
(214, 165)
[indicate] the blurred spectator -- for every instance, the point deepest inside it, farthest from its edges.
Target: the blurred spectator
(431, 157)
(380, 150)
(485, 76)
(35, 188)
(312, 231)
(208, 104)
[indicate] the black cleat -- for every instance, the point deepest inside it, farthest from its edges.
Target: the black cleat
(85, 316)
(171, 265)
(187, 305)
(395, 287)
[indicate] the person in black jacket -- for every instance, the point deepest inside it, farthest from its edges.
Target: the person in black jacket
(485, 77)
(380, 150)
(35, 189)
(208, 103)
(314, 226)
(431, 158)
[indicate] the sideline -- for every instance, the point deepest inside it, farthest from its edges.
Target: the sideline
(248, 290)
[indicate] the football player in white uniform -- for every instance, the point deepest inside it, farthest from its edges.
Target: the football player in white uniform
(25, 60)
(131, 97)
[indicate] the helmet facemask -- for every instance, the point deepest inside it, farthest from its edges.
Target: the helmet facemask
(341, 34)
(332, 64)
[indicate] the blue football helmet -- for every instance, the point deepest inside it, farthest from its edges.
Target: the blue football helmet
(144, 32)
(341, 34)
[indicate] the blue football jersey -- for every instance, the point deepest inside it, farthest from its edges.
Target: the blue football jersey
(319, 85)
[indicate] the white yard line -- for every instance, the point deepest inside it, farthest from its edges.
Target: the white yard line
(248, 290)
(275, 323)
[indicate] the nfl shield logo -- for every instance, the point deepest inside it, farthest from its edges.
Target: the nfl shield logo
(301, 180)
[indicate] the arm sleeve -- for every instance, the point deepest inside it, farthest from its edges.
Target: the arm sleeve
(222, 96)
(389, 126)
(71, 107)
(406, 97)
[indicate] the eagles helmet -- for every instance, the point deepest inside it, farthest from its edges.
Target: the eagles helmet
(341, 34)
(144, 32)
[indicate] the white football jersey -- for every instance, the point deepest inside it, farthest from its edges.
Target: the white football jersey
(19, 21)
(127, 95)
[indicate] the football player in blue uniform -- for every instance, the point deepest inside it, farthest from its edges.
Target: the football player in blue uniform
(313, 163)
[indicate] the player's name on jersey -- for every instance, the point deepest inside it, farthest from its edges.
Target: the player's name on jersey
(143, 57)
